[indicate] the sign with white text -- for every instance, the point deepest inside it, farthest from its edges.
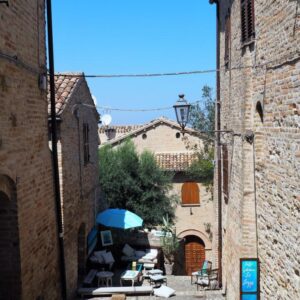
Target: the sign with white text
(249, 279)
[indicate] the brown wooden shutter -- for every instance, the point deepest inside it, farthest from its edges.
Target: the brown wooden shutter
(227, 39)
(190, 193)
(225, 172)
(247, 20)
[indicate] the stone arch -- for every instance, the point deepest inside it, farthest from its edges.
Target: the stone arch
(81, 242)
(199, 234)
(10, 284)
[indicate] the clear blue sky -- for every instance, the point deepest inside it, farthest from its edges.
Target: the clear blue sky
(136, 36)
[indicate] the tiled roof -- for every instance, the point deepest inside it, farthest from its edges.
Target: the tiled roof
(64, 86)
(175, 161)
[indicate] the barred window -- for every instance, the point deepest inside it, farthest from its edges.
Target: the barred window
(86, 150)
(247, 21)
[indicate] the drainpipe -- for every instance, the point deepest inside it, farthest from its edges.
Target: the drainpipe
(220, 242)
(218, 128)
(55, 157)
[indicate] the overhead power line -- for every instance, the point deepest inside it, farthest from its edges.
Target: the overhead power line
(139, 109)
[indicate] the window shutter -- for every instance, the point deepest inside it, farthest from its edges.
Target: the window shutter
(247, 20)
(227, 38)
(190, 193)
(225, 172)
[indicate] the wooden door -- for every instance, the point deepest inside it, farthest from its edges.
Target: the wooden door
(194, 254)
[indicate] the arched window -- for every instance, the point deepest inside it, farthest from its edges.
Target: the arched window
(190, 193)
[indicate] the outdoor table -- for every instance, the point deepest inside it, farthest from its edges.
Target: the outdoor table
(105, 278)
(129, 275)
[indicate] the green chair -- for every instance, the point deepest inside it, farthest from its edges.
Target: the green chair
(204, 271)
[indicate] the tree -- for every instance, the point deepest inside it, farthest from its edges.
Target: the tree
(203, 119)
(135, 182)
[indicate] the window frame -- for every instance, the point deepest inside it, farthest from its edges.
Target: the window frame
(247, 22)
(227, 39)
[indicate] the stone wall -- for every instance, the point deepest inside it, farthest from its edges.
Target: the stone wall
(262, 216)
(79, 181)
(25, 159)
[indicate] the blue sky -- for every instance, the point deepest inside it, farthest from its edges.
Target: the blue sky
(136, 36)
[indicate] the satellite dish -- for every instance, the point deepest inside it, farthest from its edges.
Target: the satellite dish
(106, 119)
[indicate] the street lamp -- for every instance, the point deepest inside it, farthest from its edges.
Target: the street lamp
(182, 110)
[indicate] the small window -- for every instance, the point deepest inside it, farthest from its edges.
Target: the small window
(227, 39)
(225, 172)
(177, 135)
(144, 136)
(260, 111)
(247, 21)
(190, 194)
(86, 150)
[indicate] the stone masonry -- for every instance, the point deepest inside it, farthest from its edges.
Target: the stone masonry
(260, 93)
(79, 178)
(28, 234)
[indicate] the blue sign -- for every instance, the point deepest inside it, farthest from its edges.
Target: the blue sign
(249, 279)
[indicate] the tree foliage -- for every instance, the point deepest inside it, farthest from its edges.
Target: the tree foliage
(135, 182)
(202, 118)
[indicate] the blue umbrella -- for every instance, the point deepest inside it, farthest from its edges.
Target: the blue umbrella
(119, 218)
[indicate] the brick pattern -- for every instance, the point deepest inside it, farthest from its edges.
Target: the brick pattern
(79, 181)
(262, 215)
(24, 153)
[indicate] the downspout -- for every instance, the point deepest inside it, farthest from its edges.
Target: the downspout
(218, 128)
(55, 157)
(220, 240)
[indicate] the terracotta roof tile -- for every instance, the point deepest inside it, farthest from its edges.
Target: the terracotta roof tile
(120, 128)
(175, 161)
(64, 86)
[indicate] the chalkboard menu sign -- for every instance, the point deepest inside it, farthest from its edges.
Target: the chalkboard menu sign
(249, 279)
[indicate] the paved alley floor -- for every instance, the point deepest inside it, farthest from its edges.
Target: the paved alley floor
(184, 291)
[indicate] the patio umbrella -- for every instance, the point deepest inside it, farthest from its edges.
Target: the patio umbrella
(119, 218)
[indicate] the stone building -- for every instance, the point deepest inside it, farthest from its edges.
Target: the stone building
(259, 100)
(77, 120)
(174, 153)
(29, 266)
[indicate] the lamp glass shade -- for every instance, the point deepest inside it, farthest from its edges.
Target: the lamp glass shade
(182, 110)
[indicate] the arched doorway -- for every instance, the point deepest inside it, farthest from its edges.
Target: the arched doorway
(10, 281)
(194, 250)
(81, 252)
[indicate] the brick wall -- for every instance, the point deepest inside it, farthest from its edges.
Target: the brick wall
(262, 215)
(79, 181)
(25, 158)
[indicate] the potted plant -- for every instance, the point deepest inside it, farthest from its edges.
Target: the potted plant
(169, 244)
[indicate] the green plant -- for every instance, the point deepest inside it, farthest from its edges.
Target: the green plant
(135, 182)
(169, 241)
